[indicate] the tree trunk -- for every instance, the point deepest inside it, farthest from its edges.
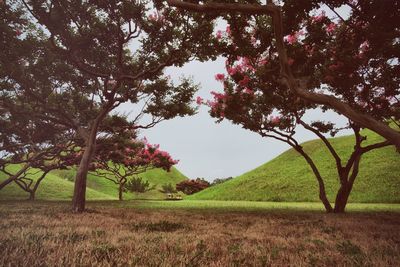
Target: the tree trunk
(322, 192)
(32, 195)
(120, 192)
(78, 201)
(341, 198)
(122, 183)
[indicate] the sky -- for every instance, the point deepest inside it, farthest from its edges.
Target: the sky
(209, 150)
(213, 150)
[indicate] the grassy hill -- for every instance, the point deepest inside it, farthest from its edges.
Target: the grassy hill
(289, 178)
(58, 185)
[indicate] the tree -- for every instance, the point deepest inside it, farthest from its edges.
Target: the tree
(361, 48)
(120, 156)
(136, 184)
(190, 187)
(259, 103)
(116, 52)
(168, 189)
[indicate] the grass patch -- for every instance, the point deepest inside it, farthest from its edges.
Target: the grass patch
(49, 234)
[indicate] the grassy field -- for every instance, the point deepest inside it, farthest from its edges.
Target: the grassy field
(58, 185)
(148, 233)
(289, 178)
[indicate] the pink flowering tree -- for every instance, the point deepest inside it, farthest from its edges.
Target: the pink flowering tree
(352, 57)
(332, 57)
(122, 157)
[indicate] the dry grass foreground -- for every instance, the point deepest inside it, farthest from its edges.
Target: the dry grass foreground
(48, 234)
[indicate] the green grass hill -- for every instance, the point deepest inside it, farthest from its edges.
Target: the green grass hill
(58, 185)
(289, 178)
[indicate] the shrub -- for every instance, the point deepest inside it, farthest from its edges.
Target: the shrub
(220, 181)
(137, 184)
(168, 188)
(192, 186)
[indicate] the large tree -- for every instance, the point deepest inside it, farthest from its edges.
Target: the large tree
(353, 57)
(255, 98)
(117, 52)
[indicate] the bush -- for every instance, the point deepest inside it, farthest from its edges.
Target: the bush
(220, 180)
(168, 189)
(136, 184)
(192, 186)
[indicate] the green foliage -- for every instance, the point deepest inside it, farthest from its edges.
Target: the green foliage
(168, 188)
(288, 177)
(137, 184)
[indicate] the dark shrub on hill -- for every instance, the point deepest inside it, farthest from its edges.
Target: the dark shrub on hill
(220, 181)
(138, 185)
(192, 186)
(168, 188)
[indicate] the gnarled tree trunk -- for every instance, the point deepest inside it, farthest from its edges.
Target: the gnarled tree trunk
(342, 198)
(79, 198)
(322, 192)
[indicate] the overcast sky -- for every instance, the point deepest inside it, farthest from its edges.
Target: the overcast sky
(210, 150)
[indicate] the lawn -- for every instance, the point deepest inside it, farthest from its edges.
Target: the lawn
(197, 233)
(217, 205)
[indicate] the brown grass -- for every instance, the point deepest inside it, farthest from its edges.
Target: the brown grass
(48, 234)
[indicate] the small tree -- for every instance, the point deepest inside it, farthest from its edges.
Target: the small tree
(168, 189)
(121, 156)
(137, 184)
(190, 187)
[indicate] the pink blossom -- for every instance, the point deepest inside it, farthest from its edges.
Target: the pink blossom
(219, 34)
(263, 62)
(275, 120)
(330, 28)
(318, 18)
(291, 39)
(228, 29)
(220, 77)
(199, 100)
(244, 81)
(248, 91)
(218, 96)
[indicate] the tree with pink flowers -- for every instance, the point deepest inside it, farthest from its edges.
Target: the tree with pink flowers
(350, 60)
(347, 62)
(122, 157)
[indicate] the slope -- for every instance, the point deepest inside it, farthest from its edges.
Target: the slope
(58, 185)
(289, 178)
